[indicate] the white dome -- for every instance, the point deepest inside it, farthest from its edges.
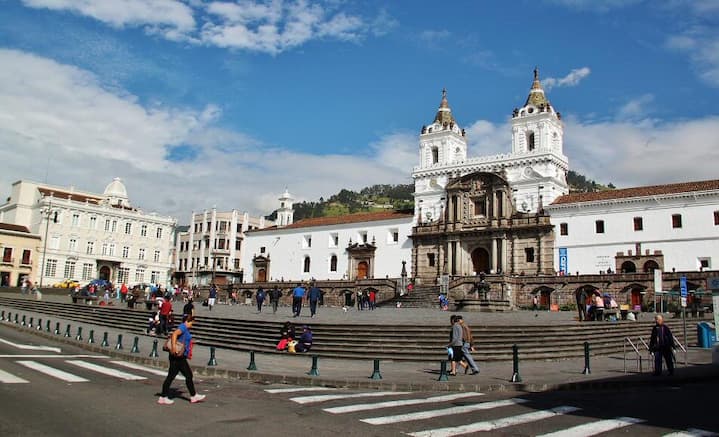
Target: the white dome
(115, 191)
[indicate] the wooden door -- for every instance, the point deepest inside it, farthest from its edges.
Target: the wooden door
(262, 275)
(362, 269)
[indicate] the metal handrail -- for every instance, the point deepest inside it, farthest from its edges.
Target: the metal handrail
(639, 355)
(681, 346)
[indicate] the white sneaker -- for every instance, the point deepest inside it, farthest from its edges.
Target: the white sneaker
(197, 398)
(165, 401)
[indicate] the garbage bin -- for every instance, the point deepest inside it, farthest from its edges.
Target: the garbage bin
(706, 335)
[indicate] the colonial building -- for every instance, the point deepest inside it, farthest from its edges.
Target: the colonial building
(88, 235)
(667, 227)
(212, 247)
(19, 250)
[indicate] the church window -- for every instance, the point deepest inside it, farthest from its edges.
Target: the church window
(435, 155)
(530, 141)
(480, 207)
(430, 259)
(238, 244)
(599, 226)
(306, 268)
(676, 220)
(529, 254)
(307, 242)
(638, 224)
(333, 263)
(716, 218)
(563, 229)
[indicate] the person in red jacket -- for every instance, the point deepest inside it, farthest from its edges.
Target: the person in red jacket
(165, 311)
(123, 292)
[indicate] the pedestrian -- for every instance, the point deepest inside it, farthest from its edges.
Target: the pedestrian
(372, 298)
(297, 295)
(455, 343)
(179, 364)
(25, 285)
(468, 347)
(153, 322)
(212, 297)
(123, 292)
(165, 310)
(581, 306)
(358, 296)
(661, 343)
(287, 334)
(535, 303)
(275, 295)
(305, 341)
(188, 309)
(314, 297)
(260, 299)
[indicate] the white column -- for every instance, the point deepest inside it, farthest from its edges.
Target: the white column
(494, 255)
(504, 254)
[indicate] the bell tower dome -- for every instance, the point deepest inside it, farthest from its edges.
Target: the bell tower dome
(442, 142)
(285, 213)
(536, 126)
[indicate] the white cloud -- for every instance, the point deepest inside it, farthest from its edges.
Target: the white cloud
(264, 26)
(572, 79)
(596, 5)
(59, 121)
(701, 45)
(636, 108)
(487, 138)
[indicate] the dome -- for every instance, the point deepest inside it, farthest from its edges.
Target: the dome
(116, 192)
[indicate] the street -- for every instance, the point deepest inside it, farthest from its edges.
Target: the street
(49, 388)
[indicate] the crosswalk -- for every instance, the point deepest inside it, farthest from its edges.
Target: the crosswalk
(71, 369)
(467, 412)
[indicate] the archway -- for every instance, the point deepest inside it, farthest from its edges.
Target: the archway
(544, 294)
(628, 267)
(362, 269)
(480, 260)
(262, 275)
(105, 273)
(650, 266)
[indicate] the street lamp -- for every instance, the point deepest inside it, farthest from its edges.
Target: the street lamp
(46, 212)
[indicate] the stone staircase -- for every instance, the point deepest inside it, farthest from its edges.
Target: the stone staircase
(423, 296)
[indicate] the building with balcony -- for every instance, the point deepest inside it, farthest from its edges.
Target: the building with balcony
(19, 249)
(87, 235)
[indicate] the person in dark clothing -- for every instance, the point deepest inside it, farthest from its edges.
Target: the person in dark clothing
(179, 364)
(661, 343)
(582, 306)
(287, 331)
(275, 295)
(260, 299)
(305, 341)
(314, 297)
(188, 309)
(212, 297)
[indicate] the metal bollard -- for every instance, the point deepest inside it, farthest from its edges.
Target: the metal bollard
(105, 343)
(2, 316)
(23, 321)
(47, 325)
(252, 365)
(515, 364)
(314, 371)
(586, 370)
(443, 371)
(32, 322)
(16, 319)
(91, 340)
(57, 328)
(9, 317)
(153, 352)
(118, 346)
(67, 331)
(375, 371)
(135, 346)
(78, 337)
(39, 324)
(213, 361)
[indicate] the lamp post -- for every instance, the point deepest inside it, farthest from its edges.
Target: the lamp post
(46, 212)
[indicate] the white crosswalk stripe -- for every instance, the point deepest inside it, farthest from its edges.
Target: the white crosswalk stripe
(400, 403)
(145, 369)
(325, 398)
(442, 412)
(594, 428)
(105, 370)
(51, 371)
(491, 425)
(692, 432)
(9, 378)
(297, 389)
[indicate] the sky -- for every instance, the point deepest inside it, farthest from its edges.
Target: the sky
(198, 104)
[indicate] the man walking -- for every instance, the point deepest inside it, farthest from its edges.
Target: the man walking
(314, 297)
(275, 294)
(468, 346)
(260, 299)
(212, 297)
(661, 344)
(297, 295)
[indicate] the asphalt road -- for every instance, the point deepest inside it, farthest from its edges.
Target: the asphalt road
(109, 405)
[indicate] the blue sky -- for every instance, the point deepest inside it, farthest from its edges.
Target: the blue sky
(202, 103)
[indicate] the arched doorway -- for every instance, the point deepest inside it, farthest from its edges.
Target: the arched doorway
(362, 269)
(480, 260)
(544, 295)
(650, 266)
(636, 298)
(628, 267)
(105, 273)
(262, 275)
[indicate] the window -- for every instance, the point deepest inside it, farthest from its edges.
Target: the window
(128, 228)
(93, 222)
(480, 207)
(262, 249)
(306, 267)
(363, 237)
(334, 239)
(333, 263)
(90, 248)
(112, 250)
(435, 155)
(123, 275)
(430, 259)
(86, 272)
(156, 257)
(143, 230)
(51, 268)
(563, 229)
(72, 246)
(125, 251)
(393, 236)
(55, 243)
(26, 257)
(599, 226)
(206, 262)
(114, 226)
(140, 275)
(529, 254)
(530, 141)
(705, 263)
(716, 218)
(107, 225)
(141, 254)
(69, 269)
(155, 277)
(75, 220)
(638, 224)
(238, 244)
(676, 220)
(7, 255)
(158, 234)
(104, 248)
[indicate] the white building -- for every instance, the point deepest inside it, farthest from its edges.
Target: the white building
(212, 248)
(535, 168)
(88, 235)
(353, 246)
(674, 226)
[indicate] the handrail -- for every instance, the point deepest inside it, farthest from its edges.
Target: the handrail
(681, 346)
(645, 344)
(639, 355)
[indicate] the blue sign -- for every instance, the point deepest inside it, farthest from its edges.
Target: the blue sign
(683, 285)
(563, 261)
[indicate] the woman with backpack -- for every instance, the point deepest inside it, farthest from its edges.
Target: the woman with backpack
(179, 346)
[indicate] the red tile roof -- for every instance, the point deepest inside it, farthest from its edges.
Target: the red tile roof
(16, 228)
(343, 219)
(652, 190)
(74, 196)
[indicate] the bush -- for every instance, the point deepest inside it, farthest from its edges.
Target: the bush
(568, 307)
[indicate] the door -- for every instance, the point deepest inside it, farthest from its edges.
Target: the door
(262, 275)
(544, 298)
(636, 299)
(362, 269)
(105, 273)
(480, 260)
